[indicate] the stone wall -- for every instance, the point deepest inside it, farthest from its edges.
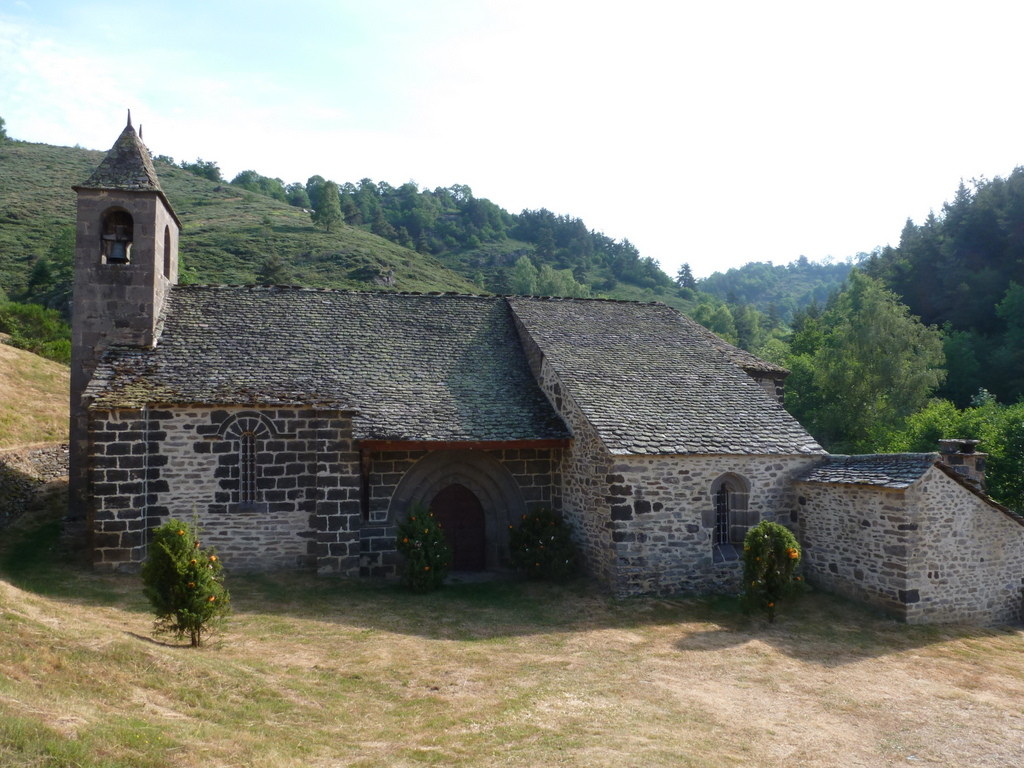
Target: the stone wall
(968, 565)
(660, 512)
(114, 303)
(149, 465)
(934, 552)
(645, 524)
(856, 541)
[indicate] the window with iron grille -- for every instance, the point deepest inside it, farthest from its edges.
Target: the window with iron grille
(247, 468)
(730, 495)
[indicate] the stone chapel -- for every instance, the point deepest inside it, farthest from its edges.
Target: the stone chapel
(300, 425)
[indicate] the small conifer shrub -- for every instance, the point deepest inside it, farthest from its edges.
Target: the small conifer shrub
(427, 555)
(771, 554)
(541, 546)
(184, 583)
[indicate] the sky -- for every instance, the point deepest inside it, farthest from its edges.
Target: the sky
(712, 133)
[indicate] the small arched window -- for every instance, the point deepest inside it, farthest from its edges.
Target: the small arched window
(116, 236)
(730, 495)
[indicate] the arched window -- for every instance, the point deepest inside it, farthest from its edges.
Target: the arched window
(167, 252)
(247, 468)
(116, 237)
(247, 430)
(730, 495)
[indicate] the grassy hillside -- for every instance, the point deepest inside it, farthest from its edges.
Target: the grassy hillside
(318, 672)
(33, 398)
(227, 232)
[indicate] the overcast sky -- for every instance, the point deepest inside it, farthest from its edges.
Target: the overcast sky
(714, 133)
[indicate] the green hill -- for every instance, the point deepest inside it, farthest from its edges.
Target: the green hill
(228, 232)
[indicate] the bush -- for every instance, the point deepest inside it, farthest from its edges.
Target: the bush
(427, 555)
(542, 546)
(37, 329)
(184, 583)
(770, 555)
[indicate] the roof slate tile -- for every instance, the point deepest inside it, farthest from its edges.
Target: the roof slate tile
(885, 470)
(651, 381)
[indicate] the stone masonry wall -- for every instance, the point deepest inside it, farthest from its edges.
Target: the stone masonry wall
(534, 471)
(661, 515)
(933, 553)
(149, 465)
(114, 303)
(969, 563)
(856, 541)
(645, 524)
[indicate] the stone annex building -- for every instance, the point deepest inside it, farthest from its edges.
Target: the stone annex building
(300, 425)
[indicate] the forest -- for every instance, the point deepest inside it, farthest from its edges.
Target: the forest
(889, 350)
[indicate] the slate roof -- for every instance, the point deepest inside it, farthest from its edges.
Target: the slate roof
(883, 470)
(651, 381)
(127, 165)
(414, 367)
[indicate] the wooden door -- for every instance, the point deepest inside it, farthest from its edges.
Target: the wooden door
(461, 516)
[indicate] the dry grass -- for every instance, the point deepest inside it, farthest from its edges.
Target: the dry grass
(317, 672)
(33, 398)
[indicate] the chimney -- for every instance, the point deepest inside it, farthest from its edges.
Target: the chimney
(961, 456)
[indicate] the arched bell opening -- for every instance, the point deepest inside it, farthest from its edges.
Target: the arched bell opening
(116, 236)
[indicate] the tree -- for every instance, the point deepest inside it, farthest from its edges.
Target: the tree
(328, 211)
(684, 277)
(207, 169)
(382, 228)
(273, 271)
(297, 195)
(183, 582)
(874, 365)
(522, 281)
(3, 131)
(314, 187)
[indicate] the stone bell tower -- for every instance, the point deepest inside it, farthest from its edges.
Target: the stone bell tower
(126, 260)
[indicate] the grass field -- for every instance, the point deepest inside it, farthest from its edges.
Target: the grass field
(322, 672)
(33, 398)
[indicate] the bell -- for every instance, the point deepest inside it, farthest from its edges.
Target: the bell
(118, 252)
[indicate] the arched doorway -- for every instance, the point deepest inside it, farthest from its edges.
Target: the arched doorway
(491, 484)
(461, 516)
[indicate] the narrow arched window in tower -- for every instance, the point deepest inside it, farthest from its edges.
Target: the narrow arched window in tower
(116, 238)
(247, 468)
(167, 252)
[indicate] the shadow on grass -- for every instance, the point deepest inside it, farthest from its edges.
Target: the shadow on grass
(817, 628)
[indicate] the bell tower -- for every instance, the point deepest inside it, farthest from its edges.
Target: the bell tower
(126, 260)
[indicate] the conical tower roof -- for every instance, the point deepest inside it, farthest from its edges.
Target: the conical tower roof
(127, 165)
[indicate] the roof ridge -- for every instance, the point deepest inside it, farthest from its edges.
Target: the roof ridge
(253, 287)
(875, 456)
(374, 292)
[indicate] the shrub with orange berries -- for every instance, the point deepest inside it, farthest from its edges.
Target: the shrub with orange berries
(771, 554)
(427, 555)
(184, 583)
(541, 546)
